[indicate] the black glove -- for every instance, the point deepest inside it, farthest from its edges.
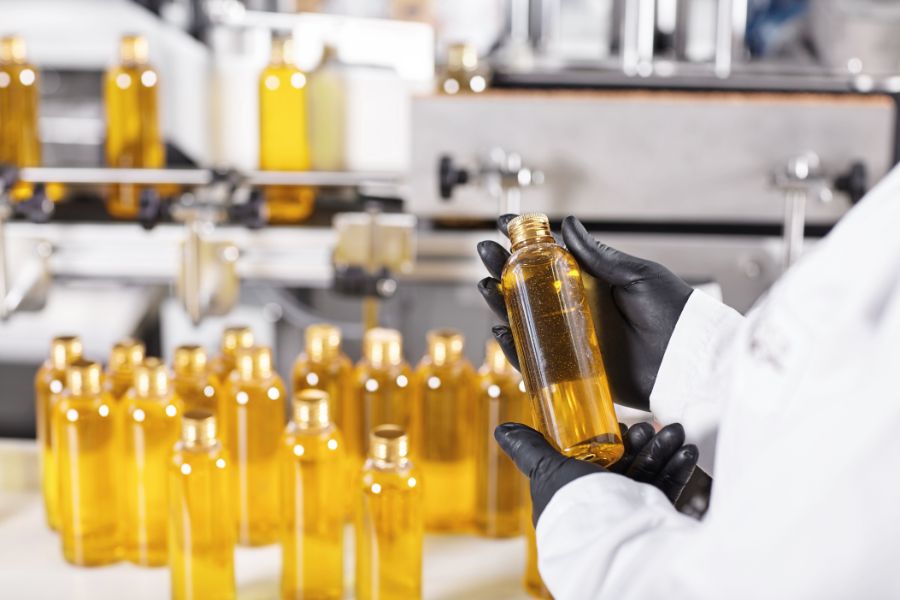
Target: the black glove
(659, 459)
(639, 303)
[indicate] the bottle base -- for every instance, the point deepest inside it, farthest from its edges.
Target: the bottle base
(603, 450)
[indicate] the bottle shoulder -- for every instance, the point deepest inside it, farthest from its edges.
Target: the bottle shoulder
(313, 444)
(534, 255)
(401, 477)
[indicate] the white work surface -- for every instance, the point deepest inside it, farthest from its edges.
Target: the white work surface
(32, 567)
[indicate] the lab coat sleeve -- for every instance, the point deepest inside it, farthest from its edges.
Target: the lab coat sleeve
(687, 388)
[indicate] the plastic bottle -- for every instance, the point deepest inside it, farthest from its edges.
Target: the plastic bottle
(252, 415)
(194, 384)
(125, 356)
(84, 437)
(445, 447)
(233, 339)
(463, 74)
(201, 526)
(555, 339)
(313, 492)
(390, 521)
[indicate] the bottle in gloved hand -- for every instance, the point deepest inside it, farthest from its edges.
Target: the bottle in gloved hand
(84, 438)
(124, 358)
(149, 429)
(233, 339)
(390, 521)
(313, 493)
(557, 346)
(444, 446)
(201, 526)
(48, 385)
(252, 415)
(194, 384)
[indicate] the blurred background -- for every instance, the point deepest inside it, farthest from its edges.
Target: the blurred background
(715, 136)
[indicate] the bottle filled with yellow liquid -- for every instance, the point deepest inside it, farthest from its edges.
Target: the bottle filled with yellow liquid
(444, 447)
(84, 438)
(313, 491)
(283, 138)
(464, 74)
(390, 521)
(557, 345)
(233, 339)
(194, 384)
(252, 414)
(49, 383)
(534, 584)
(150, 416)
(382, 384)
(125, 357)
(201, 526)
(133, 136)
(501, 491)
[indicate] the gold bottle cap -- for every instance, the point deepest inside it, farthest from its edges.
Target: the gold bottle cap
(84, 377)
(323, 341)
(235, 338)
(383, 347)
(134, 50)
(189, 360)
(388, 443)
(282, 49)
(254, 363)
(126, 355)
(198, 428)
(529, 227)
(445, 345)
(151, 378)
(63, 350)
(311, 408)
(495, 359)
(462, 57)
(12, 49)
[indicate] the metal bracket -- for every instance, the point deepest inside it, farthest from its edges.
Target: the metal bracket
(800, 179)
(502, 174)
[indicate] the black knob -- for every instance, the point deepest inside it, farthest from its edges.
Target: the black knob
(37, 209)
(855, 182)
(151, 209)
(450, 176)
(358, 282)
(252, 213)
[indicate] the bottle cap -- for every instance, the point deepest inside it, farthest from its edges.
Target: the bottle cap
(462, 57)
(495, 359)
(12, 49)
(528, 228)
(235, 338)
(282, 48)
(84, 377)
(445, 345)
(134, 50)
(323, 341)
(126, 355)
(198, 428)
(254, 363)
(311, 408)
(63, 350)
(189, 360)
(383, 346)
(388, 443)
(151, 378)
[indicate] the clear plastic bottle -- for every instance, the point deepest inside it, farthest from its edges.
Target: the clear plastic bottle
(463, 74)
(390, 521)
(150, 419)
(555, 339)
(48, 385)
(125, 356)
(233, 339)
(194, 384)
(201, 526)
(252, 415)
(383, 384)
(84, 438)
(445, 446)
(501, 498)
(534, 584)
(313, 491)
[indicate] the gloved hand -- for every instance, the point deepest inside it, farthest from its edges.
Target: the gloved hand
(659, 459)
(639, 303)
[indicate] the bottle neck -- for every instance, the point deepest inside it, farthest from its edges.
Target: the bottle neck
(445, 347)
(528, 229)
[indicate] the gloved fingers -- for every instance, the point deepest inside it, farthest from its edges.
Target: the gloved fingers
(504, 337)
(634, 439)
(673, 477)
(656, 454)
(503, 222)
(598, 259)
(494, 257)
(526, 447)
(490, 291)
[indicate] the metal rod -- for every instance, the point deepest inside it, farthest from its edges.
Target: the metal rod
(794, 225)
(191, 277)
(731, 25)
(321, 178)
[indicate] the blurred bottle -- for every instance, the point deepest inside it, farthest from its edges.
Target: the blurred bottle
(48, 385)
(125, 356)
(233, 339)
(84, 434)
(413, 10)
(313, 493)
(382, 382)
(463, 73)
(194, 384)
(390, 521)
(252, 416)
(327, 108)
(133, 137)
(283, 140)
(501, 496)
(534, 585)
(201, 525)
(444, 444)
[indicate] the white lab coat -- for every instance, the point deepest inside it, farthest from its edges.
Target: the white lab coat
(796, 410)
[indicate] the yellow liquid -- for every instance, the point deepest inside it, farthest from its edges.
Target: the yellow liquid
(445, 448)
(561, 363)
(149, 430)
(118, 383)
(501, 491)
(283, 141)
(335, 378)
(252, 421)
(201, 533)
(389, 532)
(45, 382)
(534, 585)
(198, 392)
(84, 436)
(221, 368)
(133, 137)
(383, 396)
(313, 492)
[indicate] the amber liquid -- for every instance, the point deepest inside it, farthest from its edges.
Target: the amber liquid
(383, 396)
(334, 377)
(84, 437)
(48, 383)
(198, 392)
(313, 495)
(201, 533)
(533, 582)
(149, 430)
(252, 421)
(561, 363)
(118, 383)
(389, 532)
